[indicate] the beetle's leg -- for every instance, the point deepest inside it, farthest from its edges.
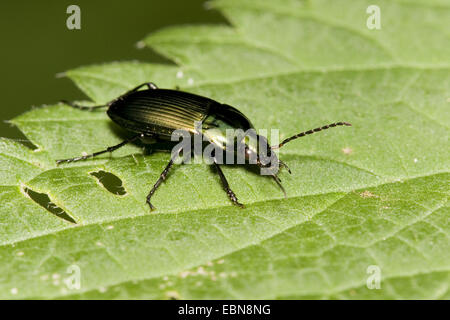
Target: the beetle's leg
(278, 181)
(150, 85)
(161, 178)
(226, 186)
(109, 149)
(284, 165)
(87, 108)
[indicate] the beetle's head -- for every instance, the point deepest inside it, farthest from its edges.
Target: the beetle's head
(258, 151)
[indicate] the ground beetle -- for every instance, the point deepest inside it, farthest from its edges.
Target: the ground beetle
(156, 113)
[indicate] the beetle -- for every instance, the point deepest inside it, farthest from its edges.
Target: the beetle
(157, 113)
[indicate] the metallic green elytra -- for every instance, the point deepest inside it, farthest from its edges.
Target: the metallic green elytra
(158, 113)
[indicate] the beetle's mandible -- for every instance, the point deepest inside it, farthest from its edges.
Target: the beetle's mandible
(157, 113)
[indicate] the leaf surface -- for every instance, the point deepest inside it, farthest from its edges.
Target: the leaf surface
(374, 194)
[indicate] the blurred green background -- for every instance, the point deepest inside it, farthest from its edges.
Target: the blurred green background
(36, 44)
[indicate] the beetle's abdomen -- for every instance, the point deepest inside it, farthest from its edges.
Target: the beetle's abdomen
(160, 111)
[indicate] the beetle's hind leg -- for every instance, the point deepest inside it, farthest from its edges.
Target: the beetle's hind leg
(150, 85)
(109, 149)
(226, 186)
(85, 108)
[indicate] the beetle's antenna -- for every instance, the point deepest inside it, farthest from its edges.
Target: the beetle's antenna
(278, 181)
(302, 134)
(76, 106)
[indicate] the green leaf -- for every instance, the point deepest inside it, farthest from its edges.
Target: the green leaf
(374, 194)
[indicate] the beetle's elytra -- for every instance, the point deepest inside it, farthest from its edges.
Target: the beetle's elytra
(157, 113)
